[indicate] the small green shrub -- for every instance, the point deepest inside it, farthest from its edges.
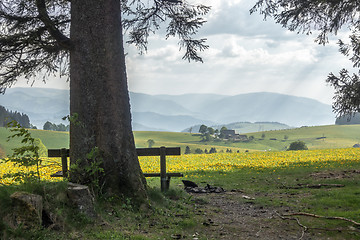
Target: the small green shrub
(91, 170)
(298, 145)
(198, 151)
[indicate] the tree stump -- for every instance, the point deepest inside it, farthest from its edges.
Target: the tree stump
(27, 210)
(81, 197)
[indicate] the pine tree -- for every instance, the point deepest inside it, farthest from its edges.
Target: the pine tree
(187, 150)
(8, 116)
(40, 37)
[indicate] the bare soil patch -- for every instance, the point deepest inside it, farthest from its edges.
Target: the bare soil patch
(231, 216)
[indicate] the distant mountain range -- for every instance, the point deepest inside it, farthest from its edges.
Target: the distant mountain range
(178, 112)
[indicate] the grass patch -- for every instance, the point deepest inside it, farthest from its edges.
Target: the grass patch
(173, 214)
(169, 214)
(51, 139)
(318, 137)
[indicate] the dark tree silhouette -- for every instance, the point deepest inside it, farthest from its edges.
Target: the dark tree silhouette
(7, 116)
(84, 41)
(327, 17)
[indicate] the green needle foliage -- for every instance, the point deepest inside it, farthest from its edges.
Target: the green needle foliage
(326, 17)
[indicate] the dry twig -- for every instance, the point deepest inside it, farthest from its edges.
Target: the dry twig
(299, 186)
(304, 228)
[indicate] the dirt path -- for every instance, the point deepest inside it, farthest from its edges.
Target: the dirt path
(227, 216)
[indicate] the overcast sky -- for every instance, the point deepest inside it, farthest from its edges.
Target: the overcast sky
(246, 55)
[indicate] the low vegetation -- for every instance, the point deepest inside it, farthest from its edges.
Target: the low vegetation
(320, 182)
(315, 192)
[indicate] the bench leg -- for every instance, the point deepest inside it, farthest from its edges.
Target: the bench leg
(165, 183)
(168, 183)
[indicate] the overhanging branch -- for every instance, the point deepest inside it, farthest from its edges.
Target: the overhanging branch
(61, 39)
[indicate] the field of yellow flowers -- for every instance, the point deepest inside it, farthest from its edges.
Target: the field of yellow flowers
(255, 160)
(222, 161)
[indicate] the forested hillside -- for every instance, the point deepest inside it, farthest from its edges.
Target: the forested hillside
(348, 119)
(7, 116)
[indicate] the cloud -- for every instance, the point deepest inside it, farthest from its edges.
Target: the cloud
(246, 54)
(233, 17)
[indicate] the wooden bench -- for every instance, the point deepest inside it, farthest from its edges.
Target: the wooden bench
(162, 152)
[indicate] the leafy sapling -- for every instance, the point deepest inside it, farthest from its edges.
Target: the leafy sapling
(25, 156)
(92, 170)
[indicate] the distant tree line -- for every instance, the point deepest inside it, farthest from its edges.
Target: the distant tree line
(348, 119)
(56, 127)
(200, 151)
(212, 150)
(7, 116)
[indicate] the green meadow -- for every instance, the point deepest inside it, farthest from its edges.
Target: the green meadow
(50, 139)
(317, 137)
(252, 194)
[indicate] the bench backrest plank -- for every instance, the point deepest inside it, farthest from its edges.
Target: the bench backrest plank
(171, 151)
(157, 151)
(57, 152)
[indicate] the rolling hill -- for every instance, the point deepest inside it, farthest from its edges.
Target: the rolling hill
(175, 113)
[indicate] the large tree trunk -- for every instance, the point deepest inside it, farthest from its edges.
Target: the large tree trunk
(99, 97)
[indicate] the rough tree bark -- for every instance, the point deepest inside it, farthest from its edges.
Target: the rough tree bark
(99, 97)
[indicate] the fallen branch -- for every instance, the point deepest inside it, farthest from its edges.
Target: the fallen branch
(304, 228)
(318, 216)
